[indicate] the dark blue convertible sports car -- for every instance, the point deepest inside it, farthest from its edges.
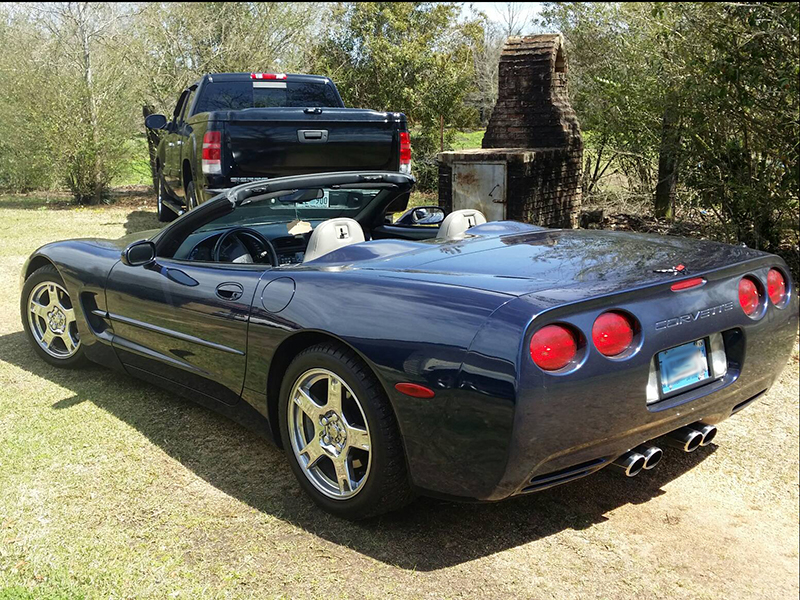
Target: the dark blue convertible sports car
(462, 359)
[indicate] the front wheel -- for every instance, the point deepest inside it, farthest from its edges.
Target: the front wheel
(340, 434)
(48, 317)
(165, 215)
(191, 196)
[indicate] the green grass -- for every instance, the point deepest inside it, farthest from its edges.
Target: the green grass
(466, 140)
(112, 488)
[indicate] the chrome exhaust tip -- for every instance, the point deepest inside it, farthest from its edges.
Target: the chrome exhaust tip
(631, 463)
(709, 432)
(652, 456)
(687, 439)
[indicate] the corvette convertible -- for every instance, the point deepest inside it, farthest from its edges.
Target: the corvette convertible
(451, 357)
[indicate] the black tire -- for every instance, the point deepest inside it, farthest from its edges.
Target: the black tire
(47, 274)
(387, 486)
(191, 196)
(165, 215)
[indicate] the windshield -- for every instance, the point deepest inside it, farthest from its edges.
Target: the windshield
(281, 207)
(238, 95)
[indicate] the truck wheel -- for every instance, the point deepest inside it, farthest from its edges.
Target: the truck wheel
(48, 317)
(165, 215)
(340, 434)
(191, 196)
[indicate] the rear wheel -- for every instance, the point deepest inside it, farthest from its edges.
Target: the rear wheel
(340, 434)
(48, 317)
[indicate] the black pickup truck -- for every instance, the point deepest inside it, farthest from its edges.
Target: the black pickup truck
(231, 128)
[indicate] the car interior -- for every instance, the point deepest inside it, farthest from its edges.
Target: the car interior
(291, 227)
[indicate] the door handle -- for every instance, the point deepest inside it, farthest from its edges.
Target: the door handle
(312, 136)
(229, 291)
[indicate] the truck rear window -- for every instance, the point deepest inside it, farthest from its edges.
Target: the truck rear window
(238, 95)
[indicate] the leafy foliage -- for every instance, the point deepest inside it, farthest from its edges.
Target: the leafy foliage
(410, 57)
(714, 85)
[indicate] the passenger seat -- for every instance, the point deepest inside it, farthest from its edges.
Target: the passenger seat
(331, 235)
(457, 222)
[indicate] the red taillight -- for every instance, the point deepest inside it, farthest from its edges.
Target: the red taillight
(212, 152)
(267, 75)
(414, 390)
(612, 333)
(553, 347)
(405, 152)
(687, 284)
(776, 286)
(749, 296)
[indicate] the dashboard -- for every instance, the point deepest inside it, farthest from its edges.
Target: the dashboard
(245, 248)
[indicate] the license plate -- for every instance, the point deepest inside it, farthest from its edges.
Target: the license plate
(683, 366)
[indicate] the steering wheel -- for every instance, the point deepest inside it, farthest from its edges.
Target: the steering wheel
(262, 246)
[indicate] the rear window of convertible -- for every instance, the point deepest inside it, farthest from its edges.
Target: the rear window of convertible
(238, 95)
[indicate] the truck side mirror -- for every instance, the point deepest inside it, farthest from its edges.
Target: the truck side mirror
(155, 122)
(139, 253)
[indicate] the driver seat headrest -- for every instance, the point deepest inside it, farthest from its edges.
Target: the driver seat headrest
(331, 235)
(457, 222)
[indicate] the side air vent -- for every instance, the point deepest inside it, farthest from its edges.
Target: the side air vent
(542, 482)
(97, 318)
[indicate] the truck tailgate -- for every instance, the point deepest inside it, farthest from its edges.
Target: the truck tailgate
(290, 141)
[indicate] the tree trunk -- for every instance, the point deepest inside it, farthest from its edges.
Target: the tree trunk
(668, 164)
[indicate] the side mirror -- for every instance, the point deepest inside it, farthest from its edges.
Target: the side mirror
(139, 253)
(155, 122)
(422, 215)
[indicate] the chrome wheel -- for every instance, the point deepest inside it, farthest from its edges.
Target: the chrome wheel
(329, 434)
(51, 317)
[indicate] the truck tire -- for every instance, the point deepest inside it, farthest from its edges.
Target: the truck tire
(165, 215)
(191, 196)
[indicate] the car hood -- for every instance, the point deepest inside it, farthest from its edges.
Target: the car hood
(543, 259)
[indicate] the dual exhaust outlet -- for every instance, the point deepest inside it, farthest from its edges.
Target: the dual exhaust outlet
(647, 456)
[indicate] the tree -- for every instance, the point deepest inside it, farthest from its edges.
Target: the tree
(176, 43)
(411, 57)
(708, 93)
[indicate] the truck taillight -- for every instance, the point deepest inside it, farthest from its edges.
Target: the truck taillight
(267, 75)
(212, 153)
(405, 153)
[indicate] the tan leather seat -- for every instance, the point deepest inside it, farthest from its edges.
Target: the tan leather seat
(331, 235)
(457, 222)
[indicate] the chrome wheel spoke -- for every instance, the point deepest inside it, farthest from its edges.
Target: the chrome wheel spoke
(343, 480)
(40, 310)
(47, 338)
(306, 403)
(334, 395)
(68, 343)
(313, 452)
(358, 438)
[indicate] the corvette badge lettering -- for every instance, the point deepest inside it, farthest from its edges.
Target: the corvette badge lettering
(695, 316)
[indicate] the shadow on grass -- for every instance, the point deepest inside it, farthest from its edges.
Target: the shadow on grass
(141, 220)
(427, 535)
